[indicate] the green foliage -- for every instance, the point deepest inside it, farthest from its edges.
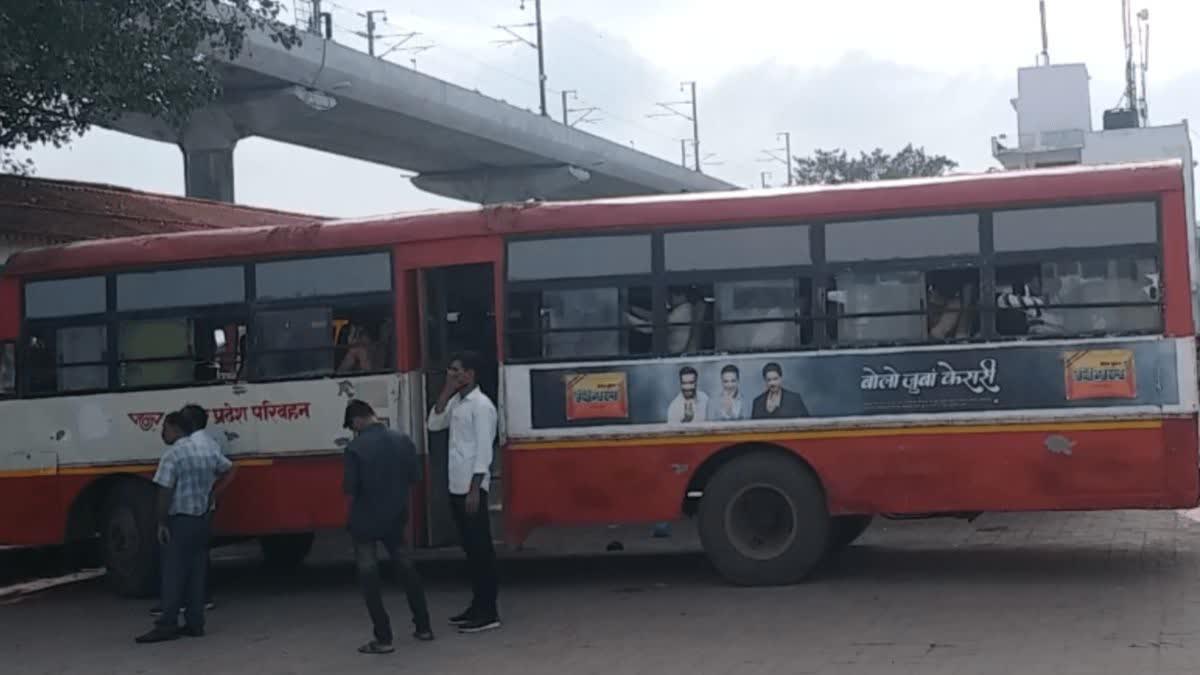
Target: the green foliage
(66, 65)
(834, 167)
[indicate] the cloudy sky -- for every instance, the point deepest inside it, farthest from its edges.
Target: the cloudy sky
(854, 74)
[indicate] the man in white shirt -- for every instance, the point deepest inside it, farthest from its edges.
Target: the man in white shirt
(470, 417)
(690, 405)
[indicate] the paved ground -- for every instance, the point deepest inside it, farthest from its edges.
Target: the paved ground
(1033, 594)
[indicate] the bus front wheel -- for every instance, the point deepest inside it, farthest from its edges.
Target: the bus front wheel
(286, 552)
(763, 520)
(129, 539)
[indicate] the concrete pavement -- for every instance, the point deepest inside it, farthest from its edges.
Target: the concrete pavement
(1032, 594)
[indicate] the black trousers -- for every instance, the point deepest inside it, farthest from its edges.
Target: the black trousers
(184, 571)
(366, 554)
(475, 532)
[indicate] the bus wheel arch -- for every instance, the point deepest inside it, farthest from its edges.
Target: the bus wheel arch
(85, 516)
(704, 473)
(126, 520)
(762, 515)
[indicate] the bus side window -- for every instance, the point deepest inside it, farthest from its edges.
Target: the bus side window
(335, 318)
(762, 314)
(220, 350)
(8, 370)
(1110, 285)
(67, 359)
(314, 341)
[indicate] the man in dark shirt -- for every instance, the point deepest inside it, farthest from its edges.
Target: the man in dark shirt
(381, 464)
(775, 401)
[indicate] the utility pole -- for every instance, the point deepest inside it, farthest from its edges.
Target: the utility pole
(787, 153)
(567, 110)
(786, 160)
(763, 176)
(516, 38)
(537, 12)
(670, 110)
(314, 19)
(1045, 57)
(371, 28)
(683, 152)
(695, 124)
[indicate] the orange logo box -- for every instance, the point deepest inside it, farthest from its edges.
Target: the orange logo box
(1100, 373)
(597, 396)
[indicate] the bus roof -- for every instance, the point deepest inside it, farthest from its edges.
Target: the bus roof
(810, 203)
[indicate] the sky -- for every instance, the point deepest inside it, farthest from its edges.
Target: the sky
(852, 74)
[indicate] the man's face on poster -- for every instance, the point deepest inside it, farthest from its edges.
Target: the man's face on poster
(687, 385)
(774, 381)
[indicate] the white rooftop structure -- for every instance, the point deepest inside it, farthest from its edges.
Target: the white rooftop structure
(1054, 128)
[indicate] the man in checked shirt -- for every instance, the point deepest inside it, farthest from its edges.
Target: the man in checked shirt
(188, 475)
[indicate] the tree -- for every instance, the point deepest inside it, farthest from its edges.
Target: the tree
(66, 65)
(834, 167)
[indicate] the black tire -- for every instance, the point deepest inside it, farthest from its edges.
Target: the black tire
(844, 530)
(129, 539)
(763, 520)
(286, 552)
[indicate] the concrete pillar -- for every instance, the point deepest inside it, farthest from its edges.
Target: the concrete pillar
(208, 172)
(207, 143)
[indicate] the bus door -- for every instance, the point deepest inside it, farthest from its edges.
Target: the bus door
(457, 313)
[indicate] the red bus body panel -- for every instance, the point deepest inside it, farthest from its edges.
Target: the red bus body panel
(1148, 464)
(1143, 463)
(10, 308)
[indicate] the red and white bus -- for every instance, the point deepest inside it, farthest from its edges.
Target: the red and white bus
(782, 365)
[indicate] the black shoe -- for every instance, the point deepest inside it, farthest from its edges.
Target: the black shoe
(480, 625)
(159, 634)
(156, 611)
(425, 635)
(209, 605)
(188, 631)
(464, 617)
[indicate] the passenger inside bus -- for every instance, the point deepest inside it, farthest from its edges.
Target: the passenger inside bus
(951, 306)
(1020, 303)
(361, 353)
(685, 320)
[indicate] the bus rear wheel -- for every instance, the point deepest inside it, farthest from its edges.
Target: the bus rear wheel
(129, 539)
(286, 552)
(763, 520)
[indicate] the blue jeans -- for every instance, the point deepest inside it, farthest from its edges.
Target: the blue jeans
(184, 568)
